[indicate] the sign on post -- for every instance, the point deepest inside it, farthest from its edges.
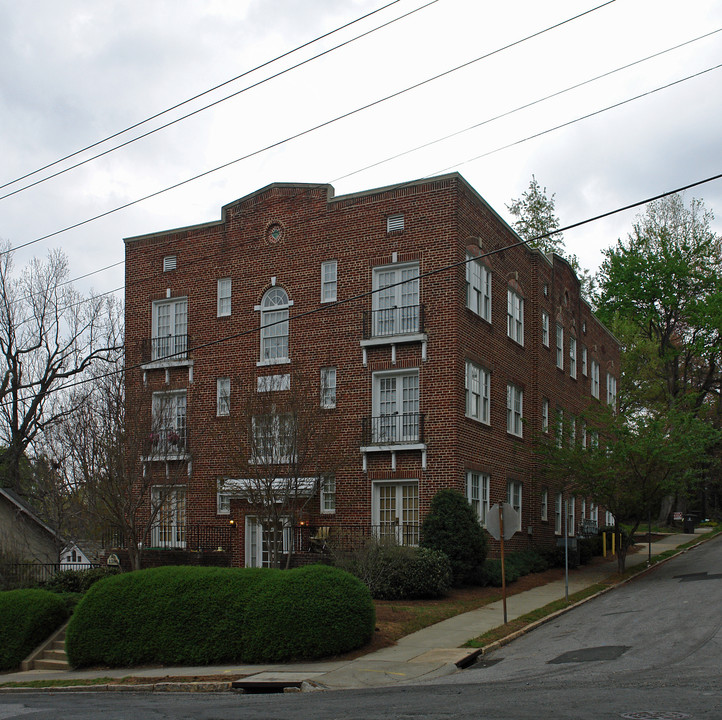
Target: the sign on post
(510, 517)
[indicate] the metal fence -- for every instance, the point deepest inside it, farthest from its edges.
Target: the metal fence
(172, 536)
(22, 575)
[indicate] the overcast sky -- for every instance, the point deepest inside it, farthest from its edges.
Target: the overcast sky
(76, 71)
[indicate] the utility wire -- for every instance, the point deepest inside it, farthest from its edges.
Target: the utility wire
(210, 105)
(200, 95)
(303, 132)
(361, 296)
(454, 134)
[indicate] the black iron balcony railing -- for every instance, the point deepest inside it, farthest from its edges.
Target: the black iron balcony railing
(397, 429)
(170, 347)
(347, 538)
(168, 441)
(393, 321)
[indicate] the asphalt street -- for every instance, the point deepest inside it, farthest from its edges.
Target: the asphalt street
(648, 650)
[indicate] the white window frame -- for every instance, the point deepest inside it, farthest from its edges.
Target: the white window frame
(595, 379)
(170, 330)
(329, 281)
(275, 335)
(401, 422)
(477, 386)
(223, 305)
(169, 525)
(584, 509)
(572, 357)
(545, 328)
(544, 502)
(612, 391)
(558, 511)
(545, 415)
(478, 287)
(477, 493)
(396, 304)
(223, 396)
(255, 541)
(609, 519)
(584, 360)
(328, 387)
(169, 420)
(223, 499)
(400, 520)
(515, 316)
(327, 493)
(593, 511)
(514, 496)
(273, 431)
(560, 346)
(514, 410)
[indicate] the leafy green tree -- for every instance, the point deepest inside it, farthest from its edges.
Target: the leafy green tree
(628, 464)
(537, 222)
(452, 527)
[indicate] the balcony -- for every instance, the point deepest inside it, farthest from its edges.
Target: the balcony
(168, 444)
(168, 351)
(393, 326)
(392, 433)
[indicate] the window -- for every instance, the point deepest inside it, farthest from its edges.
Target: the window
(170, 329)
(170, 262)
(168, 429)
(273, 383)
(169, 524)
(328, 281)
(514, 409)
(594, 512)
(572, 431)
(608, 518)
(560, 347)
(395, 512)
(478, 288)
(594, 439)
(328, 387)
(328, 494)
(570, 516)
(477, 392)
(477, 493)
(396, 417)
(274, 326)
(224, 297)
(584, 433)
(223, 500)
(513, 496)
(584, 509)
(545, 504)
(595, 379)
(572, 357)
(273, 438)
(396, 309)
(515, 316)
(545, 328)
(264, 541)
(584, 360)
(394, 223)
(612, 391)
(558, 514)
(223, 396)
(545, 415)
(560, 427)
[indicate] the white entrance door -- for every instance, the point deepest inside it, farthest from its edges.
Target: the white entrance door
(396, 511)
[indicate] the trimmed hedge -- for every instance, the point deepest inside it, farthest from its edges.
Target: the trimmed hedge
(78, 581)
(398, 572)
(202, 615)
(516, 565)
(451, 527)
(27, 617)
(311, 612)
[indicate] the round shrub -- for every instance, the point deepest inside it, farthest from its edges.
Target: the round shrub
(78, 581)
(311, 612)
(452, 528)
(170, 615)
(397, 572)
(27, 617)
(203, 615)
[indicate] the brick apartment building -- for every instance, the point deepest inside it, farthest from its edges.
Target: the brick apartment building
(439, 344)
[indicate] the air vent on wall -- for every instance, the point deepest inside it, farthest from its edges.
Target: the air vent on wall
(169, 263)
(394, 223)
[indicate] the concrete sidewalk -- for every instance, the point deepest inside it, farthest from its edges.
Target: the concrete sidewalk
(432, 652)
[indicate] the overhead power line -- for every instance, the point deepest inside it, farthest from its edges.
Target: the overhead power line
(361, 296)
(205, 92)
(210, 105)
(307, 131)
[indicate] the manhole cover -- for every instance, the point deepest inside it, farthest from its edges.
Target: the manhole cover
(594, 654)
(654, 715)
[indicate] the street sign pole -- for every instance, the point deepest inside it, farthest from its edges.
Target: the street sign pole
(566, 550)
(503, 573)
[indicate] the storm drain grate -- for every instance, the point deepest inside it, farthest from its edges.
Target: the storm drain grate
(266, 686)
(654, 715)
(594, 654)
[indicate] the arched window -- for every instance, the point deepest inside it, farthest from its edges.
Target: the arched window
(274, 325)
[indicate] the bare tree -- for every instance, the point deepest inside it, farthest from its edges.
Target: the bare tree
(285, 443)
(49, 334)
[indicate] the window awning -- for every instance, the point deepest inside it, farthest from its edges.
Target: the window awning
(243, 487)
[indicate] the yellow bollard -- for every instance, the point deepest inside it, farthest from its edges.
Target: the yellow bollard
(614, 537)
(604, 544)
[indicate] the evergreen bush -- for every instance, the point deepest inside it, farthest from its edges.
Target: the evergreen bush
(451, 527)
(78, 581)
(311, 612)
(27, 618)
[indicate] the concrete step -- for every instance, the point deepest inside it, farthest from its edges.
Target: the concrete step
(58, 645)
(54, 655)
(43, 664)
